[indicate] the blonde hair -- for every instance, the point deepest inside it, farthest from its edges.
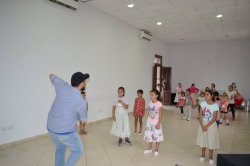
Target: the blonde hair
(225, 95)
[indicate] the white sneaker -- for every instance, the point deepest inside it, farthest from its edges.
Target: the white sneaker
(211, 162)
(156, 153)
(148, 151)
(202, 159)
(135, 133)
(139, 133)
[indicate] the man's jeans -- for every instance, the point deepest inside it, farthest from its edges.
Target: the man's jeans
(62, 142)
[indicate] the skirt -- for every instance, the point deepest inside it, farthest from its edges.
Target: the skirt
(177, 97)
(152, 134)
(208, 139)
(120, 127)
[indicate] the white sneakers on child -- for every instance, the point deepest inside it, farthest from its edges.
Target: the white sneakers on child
(148, 151)
(211, 162)
(202, 159)
(156, 153)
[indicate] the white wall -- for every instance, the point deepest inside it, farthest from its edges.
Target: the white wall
(218, 62)
(39, 37)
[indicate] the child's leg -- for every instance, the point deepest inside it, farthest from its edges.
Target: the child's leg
(140, 120)
(226, 117)
(181, 108)
(203, 150)
(157, 146)
(189, 113)
(150, 146)
(136, 121)
(211, 154)
(233, 111)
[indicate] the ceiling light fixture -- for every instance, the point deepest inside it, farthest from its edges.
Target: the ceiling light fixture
(159, 23)
(131, 5)
(219, 16)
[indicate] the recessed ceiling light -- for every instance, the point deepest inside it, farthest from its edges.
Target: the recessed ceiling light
(159, 23)
(219, 15)
(131, 5)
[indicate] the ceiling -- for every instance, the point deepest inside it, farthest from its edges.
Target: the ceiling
(184, 20)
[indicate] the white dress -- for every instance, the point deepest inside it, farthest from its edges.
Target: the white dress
(178, 91)
(210, 138)
(121, 127)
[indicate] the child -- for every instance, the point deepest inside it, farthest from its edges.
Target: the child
(208, 136)
(139, 109)
(153, 132)
(218, 102)
(188, 107)
(120, 126)
(224, 110)
(178, 91)
(231, 95)
(201, 98)
(82, 125)
(182, 101)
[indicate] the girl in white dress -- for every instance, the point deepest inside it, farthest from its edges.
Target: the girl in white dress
(121, 128)
(208, 136)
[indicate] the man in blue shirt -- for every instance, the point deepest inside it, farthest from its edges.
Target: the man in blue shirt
(67, 108)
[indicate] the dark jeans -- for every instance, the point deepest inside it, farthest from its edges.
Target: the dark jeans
(181, 108)
(231, 108)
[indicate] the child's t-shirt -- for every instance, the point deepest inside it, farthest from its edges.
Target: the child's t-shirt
(188, 100)
(231, 96)
(224, 106)
(182, 101)
(208, 110)
(154, 112)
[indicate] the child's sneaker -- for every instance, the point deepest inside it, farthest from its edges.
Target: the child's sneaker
(127, 141)
(156, 153)
(135, 132)
(202, 159)
(211, 162)
(227, 124)
(139, 133)
(120, 142)
(148, 151)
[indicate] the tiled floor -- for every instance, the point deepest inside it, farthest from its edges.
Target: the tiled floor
(101, 148)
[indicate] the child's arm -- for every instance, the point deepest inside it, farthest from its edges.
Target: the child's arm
(158, 126)
(113, 113)
(134, 107)
(123, 104)
(200, 119)
(211, 121)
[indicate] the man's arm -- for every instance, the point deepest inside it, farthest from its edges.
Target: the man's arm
(56, 81)
(82, 112)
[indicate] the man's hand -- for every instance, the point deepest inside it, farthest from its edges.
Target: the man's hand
(50, 76)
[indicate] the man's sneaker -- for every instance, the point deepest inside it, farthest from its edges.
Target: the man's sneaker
(211, 162)
(127, 141)
(120, 142)
(202, 159)
(148, 151)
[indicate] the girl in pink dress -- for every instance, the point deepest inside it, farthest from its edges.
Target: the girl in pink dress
(224, 108)
(178, 91)
(153, 132)
(139, 110)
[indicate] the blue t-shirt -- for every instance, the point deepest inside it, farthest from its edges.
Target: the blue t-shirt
(208, 110)
(67, 108)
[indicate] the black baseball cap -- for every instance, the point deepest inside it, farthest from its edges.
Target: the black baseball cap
(78, 78)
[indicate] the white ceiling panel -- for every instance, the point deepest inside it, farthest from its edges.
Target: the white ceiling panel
(183, 20)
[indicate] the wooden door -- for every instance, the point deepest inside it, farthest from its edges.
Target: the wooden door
(166, 81)
(157, 77)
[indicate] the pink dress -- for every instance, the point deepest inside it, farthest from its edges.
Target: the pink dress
(151, 133)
